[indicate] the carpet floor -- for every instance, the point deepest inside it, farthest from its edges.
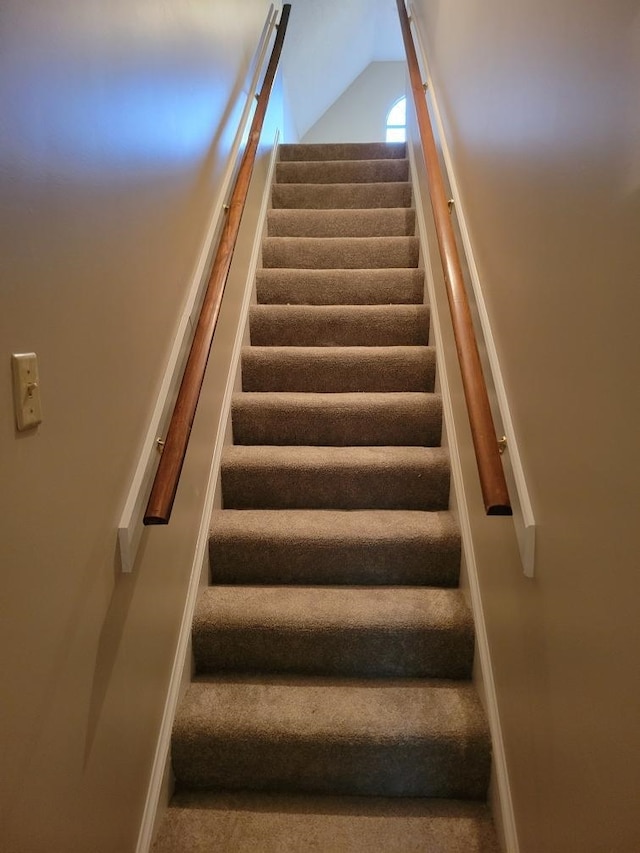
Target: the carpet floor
(332, 707)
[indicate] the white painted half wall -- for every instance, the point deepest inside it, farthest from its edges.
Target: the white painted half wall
(360, 113)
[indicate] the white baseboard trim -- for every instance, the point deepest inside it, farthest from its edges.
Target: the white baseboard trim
(523, 517)
(182, 658)
(501, 776)
(130, 527)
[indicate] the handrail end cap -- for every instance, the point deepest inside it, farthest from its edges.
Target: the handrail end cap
(499, 509)
(152, 520)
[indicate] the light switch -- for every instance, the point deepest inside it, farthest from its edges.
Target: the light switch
(26, 390)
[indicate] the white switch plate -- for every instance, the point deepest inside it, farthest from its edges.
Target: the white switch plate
(26, 390)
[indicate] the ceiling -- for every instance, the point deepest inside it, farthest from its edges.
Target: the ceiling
(328, 44)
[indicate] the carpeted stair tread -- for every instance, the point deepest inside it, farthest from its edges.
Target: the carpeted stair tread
(340, 287)
(353, 196)
(342, 151)
(299, 477)
(339, 325)
(355, 419)
(339, 252)
(334, 547)
(395, 632)
(333, 369)
(370, 222)
(210, 822)
(388, 737)
(342, 171)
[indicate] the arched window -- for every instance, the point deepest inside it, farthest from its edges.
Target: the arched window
(397, 121)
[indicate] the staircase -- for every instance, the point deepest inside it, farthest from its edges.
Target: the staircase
(332, 707)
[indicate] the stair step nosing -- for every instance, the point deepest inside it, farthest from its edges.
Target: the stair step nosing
(358, 160)
(370, 710)
(312, 455)
(355, 397)
(350, 351)
(225, 607)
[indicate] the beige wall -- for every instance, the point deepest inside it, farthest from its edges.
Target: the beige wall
(115, 129)
(360, 113)
(540, 103)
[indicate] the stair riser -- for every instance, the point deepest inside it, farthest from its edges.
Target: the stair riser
(271, 823)
(415, 769)
(342, 151)
(275, 325)
(368, 653)
(345, 196)
(342, 171)
(281, 421)
(337, 287)
(330, 370)
(339, 253)
(409, 564)
(332, 488)
(397, 222)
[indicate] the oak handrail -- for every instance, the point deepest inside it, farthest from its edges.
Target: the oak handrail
(483, 433)
(167, 476)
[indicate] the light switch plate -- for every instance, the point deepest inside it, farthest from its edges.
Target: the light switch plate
(26, 390)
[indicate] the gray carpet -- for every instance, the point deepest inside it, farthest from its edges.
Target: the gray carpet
(339, 287)
(333, 369)
(332, 707)
(208, 822)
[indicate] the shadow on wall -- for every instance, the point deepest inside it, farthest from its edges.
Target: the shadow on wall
(360, 113)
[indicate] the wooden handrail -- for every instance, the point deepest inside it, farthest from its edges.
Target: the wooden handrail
(492, 480)
(174, 451)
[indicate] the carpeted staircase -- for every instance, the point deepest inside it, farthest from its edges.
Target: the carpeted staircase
(332, 707)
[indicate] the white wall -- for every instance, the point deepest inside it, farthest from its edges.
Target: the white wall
(360, 113)
(115, 130)
(331, 42)
(540, 104)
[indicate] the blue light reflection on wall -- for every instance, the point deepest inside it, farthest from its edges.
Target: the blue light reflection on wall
(141, 94)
